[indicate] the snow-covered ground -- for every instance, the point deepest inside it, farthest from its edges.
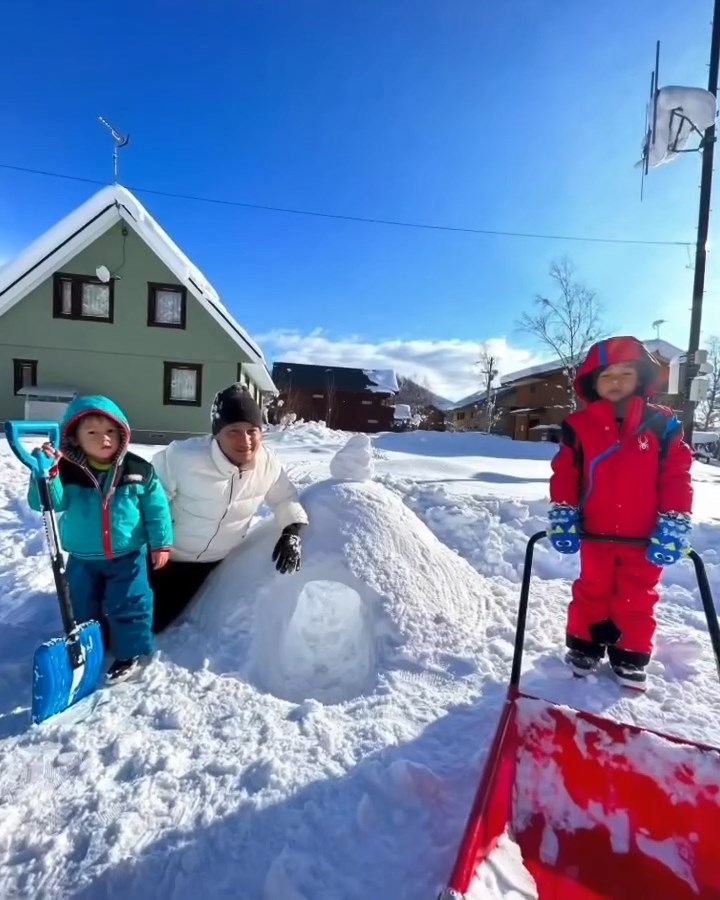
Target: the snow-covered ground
(318, 737)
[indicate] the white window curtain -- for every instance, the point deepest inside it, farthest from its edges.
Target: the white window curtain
(183, 385)
(168, 307)
(67, 298)
(95, 300)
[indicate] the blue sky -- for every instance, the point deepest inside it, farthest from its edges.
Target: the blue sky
(524, 116)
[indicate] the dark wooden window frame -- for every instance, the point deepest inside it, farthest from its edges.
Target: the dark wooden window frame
(18, 365)
(77, 282)
(167, 382)
(154, 286)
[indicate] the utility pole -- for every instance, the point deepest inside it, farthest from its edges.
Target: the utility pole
(708, 148)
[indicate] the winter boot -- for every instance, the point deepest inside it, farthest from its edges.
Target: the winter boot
(630, 675)
(629, 667)
(582, 664)
(122, 669)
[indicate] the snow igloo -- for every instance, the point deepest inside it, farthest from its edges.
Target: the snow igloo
(377, 592)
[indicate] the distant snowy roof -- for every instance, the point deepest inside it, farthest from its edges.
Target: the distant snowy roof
(402, 412)
(382, 380)
(663, 348)
(84, 225)
(479, 397)
(533, 371)
(287, 375)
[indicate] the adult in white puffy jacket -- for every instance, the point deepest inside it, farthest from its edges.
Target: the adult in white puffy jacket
(215, 485)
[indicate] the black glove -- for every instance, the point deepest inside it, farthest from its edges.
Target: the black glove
(288, 551)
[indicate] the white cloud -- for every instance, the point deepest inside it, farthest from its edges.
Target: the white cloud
(448, 365)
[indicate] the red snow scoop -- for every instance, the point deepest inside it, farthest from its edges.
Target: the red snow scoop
(599, 809)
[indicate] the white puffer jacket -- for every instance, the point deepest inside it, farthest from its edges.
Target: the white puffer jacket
(213, 502)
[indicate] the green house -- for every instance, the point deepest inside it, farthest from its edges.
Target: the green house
(105, 302)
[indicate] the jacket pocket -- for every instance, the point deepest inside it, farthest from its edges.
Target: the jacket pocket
(125, 518)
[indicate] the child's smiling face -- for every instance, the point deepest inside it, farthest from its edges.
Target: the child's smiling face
(98, 437)
(617, 382)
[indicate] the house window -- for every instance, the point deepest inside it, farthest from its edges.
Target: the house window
(82, 297)
(366, 402)
(167, 305)
(24, 373)
(318, 396)
(182, 384)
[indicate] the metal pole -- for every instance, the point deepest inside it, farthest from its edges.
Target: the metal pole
(702, 234)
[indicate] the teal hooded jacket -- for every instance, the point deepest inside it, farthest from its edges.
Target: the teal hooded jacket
(111, 512)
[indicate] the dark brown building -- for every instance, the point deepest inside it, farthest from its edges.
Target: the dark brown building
(343, 398)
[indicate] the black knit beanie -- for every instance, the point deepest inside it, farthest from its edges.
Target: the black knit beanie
(234, 404)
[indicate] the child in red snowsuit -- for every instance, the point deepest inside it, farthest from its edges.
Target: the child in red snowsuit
(622, 470)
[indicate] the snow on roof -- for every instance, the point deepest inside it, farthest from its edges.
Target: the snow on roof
(402, 412)
(383, 381)
(663, 348)
(533, 371)
(479, 397)
(84, 225)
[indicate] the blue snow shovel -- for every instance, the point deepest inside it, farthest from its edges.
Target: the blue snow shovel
(65, 669)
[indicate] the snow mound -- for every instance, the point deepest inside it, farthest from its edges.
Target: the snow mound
(377, 592)
(503, 876)
(354, 461)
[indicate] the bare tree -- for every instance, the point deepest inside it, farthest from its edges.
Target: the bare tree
(568, 324)
(488, 373)
(708, 411)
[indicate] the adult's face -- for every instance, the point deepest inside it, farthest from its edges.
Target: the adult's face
(240, 442)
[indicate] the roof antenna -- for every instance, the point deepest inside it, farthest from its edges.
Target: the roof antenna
(119, 141)
(656, 325)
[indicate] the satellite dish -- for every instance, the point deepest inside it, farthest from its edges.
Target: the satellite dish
(103, 273)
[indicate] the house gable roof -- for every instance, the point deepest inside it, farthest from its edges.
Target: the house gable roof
(61, 243)
(288, 375)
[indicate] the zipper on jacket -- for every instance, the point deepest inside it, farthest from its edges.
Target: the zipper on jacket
(106, 532)
(593, 463)
(222, 518)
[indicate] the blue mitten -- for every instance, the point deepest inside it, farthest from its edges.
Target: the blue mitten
(564, 528)
(668, 542)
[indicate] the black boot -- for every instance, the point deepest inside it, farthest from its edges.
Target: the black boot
(583, 657)
(122, 669)
(629, 668)
(581, 663)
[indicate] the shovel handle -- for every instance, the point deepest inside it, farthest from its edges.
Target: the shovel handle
(700, 573)
(38, 462)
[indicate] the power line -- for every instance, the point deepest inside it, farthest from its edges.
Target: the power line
(347, 218)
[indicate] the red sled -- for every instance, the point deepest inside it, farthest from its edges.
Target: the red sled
(600, 810)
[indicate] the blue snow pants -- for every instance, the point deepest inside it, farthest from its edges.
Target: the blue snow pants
(117, 591)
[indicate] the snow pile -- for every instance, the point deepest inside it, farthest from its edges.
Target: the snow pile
(502, 876)
(377, 590)
(354, 462)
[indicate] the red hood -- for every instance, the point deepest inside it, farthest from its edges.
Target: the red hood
(615, 350)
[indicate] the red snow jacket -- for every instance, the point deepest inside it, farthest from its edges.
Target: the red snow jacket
(621, 476)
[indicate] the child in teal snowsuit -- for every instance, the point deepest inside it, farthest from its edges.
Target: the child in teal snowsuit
(114, 513)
